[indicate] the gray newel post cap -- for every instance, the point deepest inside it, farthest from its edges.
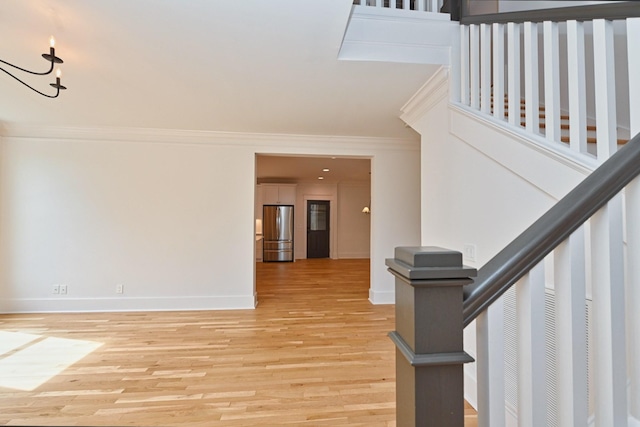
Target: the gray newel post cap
(429, 262)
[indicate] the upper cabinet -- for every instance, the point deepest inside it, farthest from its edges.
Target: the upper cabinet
(278, 194)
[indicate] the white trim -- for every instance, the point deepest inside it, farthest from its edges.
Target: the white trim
(434, 90)
(354, 255)
(177, 136)
(582, 163)
(83, 305)
(380, 297)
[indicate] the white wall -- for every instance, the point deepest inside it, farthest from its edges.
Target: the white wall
(481, 183)
(168, 214)
(354, 226)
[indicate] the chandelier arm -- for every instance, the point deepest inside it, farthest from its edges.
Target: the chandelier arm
(30, 87)
(29, 71)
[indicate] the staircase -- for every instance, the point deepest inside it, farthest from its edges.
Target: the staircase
(590, 282)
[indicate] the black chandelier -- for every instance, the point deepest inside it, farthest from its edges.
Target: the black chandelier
(53, 59)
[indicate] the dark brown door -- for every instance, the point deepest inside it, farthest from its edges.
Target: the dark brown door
(317, 229)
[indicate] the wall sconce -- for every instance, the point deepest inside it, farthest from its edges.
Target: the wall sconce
(51, 57)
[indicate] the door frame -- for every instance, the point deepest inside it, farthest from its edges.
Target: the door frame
(333, 223)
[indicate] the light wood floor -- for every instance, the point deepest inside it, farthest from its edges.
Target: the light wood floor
(315, 352)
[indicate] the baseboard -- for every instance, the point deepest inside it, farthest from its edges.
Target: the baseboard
(379, 297)
(354, 255)
(79, 305)
(471, 390)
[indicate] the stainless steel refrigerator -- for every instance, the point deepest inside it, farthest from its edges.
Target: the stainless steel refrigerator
(277, 228)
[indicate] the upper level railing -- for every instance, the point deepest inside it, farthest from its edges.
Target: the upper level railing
(416, 5)
(565, 83)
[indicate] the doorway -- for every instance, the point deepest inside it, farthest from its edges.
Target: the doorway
(318, 230)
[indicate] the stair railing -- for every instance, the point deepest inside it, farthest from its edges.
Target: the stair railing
(574, 324)
(414, 5)
(535, 74)
(561, 232)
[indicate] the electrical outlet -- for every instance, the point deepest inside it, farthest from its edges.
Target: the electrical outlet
(55, 289)
(63, 289)
(119, 289)
(469, 252)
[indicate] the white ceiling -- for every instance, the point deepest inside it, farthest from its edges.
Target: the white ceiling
(266, 66)
(308, 169)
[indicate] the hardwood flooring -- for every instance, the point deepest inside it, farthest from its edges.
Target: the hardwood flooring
(315, 352)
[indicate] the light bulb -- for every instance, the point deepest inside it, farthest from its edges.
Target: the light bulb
(52, 42)
(58, 73)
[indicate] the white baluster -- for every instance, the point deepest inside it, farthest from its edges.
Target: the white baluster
(632, 196)
(605, 88)
(485, 68)
(531, 349)
(577, 87)
(513, 72)
(435, 6)
(392, 4)
(531, 89)
(379, 3)
(490, 366)
(498, 71)
(464, 64)
(406, 4)
(552, 81)
(421, 5)
(474, 59)
(570, 289)
(609, 357)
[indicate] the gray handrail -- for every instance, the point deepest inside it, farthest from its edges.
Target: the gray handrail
(611, 11)
(555, 226)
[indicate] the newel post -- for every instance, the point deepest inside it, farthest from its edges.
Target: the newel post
(428, 336)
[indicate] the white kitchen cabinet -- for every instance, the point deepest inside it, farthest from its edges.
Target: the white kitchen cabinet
(278, 194)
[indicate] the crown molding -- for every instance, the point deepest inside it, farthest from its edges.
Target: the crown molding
(263, 141)
(433, 91)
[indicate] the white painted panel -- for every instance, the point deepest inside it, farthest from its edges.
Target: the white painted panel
(465, 67)
(633, 52)
(552, 81)
(498, 71)
(570, 291)
(632, 194)
(490, 366)
(513, 72)
(530, 297)
(605, 88)
(485, 68)
(474, 65)
(577, 87)
(607, 270)
(531, 87)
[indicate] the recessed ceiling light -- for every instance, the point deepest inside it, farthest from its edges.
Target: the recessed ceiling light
(325, 170)
(321, 177)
